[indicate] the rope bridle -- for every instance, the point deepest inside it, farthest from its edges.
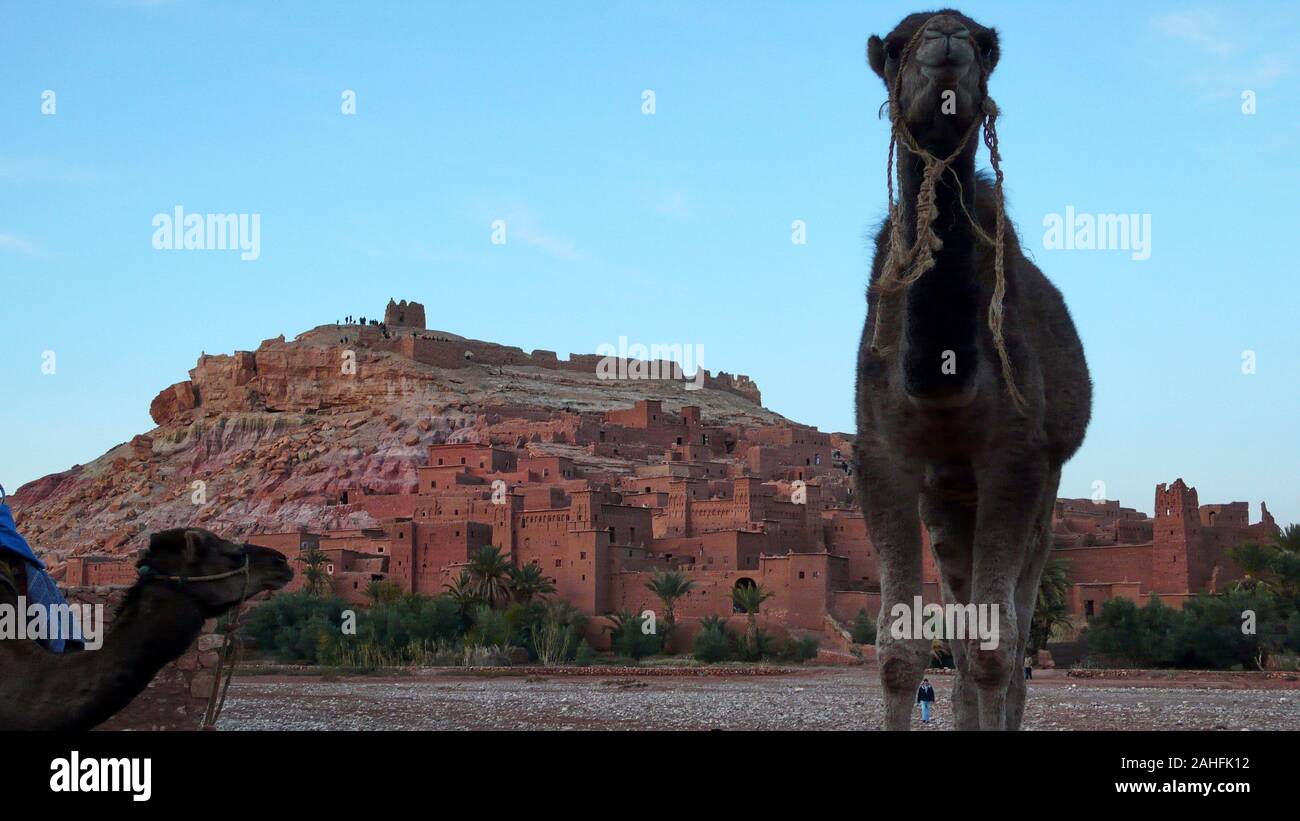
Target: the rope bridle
(231, 645)
(895, 277)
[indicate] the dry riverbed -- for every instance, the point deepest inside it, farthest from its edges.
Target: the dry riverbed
(811, 698)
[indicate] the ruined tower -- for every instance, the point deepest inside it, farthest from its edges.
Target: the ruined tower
(404, 315)
(1176, 553)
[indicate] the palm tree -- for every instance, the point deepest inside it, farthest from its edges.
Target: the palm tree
(622, 620)
(1287, 567)
(714, 622)
(462, 593)
(1052, 609)
(625, 634)
(1256, 563)
(748, 598)
(314, 571)
(529, 581)
(489, 571)
(1288, 539)
(669, 586)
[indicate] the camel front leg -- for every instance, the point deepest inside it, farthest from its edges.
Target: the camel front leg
(890, 496)
(1039, 549)
(951, 523)
(1009, 494)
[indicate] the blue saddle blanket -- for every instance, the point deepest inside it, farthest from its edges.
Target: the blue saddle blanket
(41, 589)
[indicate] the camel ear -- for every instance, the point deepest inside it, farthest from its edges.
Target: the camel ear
(193, 541)
(989, 43)
(164, 541)
(876, 55)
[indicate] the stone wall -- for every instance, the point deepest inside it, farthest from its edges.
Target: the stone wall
(178, 695)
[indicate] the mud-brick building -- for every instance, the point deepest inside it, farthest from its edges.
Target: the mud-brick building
(1182, 551)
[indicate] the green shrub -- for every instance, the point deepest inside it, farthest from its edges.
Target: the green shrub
(584, 655)
(801, 649)
(712, 645)
(1205, 635)
(294, 627)
(488, 628)
(628, 638)
(863, 629)
(555, 631)
(760, 647)
(424, 619)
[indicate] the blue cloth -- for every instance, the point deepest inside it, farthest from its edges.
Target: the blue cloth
(41, 589)
(925, 711)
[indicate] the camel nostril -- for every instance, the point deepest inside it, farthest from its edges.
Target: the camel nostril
(954, 32)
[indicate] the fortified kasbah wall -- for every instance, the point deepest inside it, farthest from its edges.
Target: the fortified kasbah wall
(342, 364)
(398, 452)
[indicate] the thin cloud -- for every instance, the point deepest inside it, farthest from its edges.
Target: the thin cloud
(41, 170)
(1232, 61)
(9, 242)
(1199, 28)
(524, 226)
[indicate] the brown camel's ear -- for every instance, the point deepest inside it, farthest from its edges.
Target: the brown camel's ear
(164, 541)
(193, 541)
(876, 55)
(990, 52)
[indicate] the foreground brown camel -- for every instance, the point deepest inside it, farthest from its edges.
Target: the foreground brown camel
(159, 620)
(972, 384)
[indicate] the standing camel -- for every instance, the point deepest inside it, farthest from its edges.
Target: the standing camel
(972, 385)
(186, 576)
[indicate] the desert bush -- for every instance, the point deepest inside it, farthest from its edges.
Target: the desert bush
(863, 629)
(295, 626)
(627, 637)
(801, 649)
(712, 645)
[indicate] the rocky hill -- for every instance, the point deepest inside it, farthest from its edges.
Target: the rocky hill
(267, 440)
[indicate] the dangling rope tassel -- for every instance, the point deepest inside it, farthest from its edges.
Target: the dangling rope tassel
(226, 662)
(999, 259)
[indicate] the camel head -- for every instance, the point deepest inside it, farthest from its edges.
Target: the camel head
(189, 558)
(936, 66)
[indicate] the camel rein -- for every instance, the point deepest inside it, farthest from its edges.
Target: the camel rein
(895, 277)
(230, 646)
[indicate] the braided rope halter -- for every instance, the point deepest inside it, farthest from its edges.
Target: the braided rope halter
(231, 644)
(904, 264)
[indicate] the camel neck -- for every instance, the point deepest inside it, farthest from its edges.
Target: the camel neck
(157, 623)
(954, 189)
(941, 314)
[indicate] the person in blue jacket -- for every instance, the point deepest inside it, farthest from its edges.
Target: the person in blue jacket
(23, 574)
(925, 697)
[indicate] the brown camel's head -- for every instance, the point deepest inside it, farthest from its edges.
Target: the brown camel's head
(935, 66)
(211, 569)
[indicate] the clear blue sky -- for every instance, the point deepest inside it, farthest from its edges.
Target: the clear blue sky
(666, 228)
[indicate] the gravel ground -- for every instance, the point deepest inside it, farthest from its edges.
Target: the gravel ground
(810, 699)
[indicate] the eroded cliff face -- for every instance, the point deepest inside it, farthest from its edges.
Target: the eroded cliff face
(268, 440)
